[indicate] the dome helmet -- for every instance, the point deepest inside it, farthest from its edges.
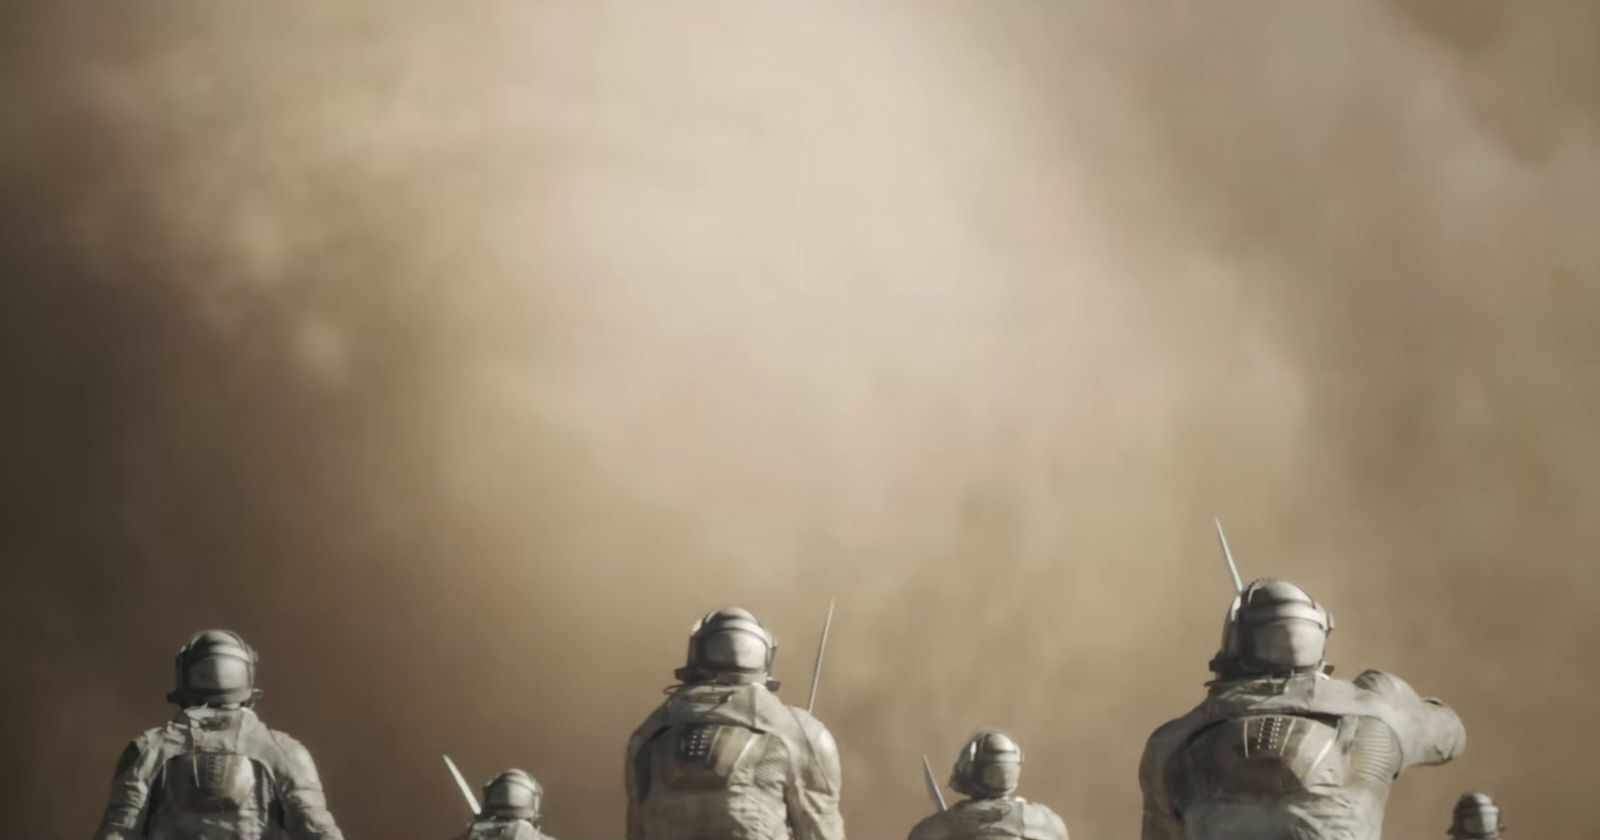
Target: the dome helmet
(1269, 603)
(1475, 817)
(988, 767)
(215, 668)
(729, 646)
(514, 794)
(1263, 602)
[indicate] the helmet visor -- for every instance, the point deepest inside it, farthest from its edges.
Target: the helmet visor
(218, 675)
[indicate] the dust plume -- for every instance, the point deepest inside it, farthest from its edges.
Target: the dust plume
(461, 355)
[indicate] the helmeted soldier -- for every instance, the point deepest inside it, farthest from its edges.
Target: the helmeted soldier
(1476, 817)
(723, 757)
(215, 771)
(987, 771)
(511, 809)
(1281, 750)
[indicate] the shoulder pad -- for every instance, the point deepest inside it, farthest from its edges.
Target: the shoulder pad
(819, 764)
(130, 757)
(154, 737)
(1165, 742)
(1382, 682)
(288, 756)
(145, 754)
(932, 827)
(653, 723)
(809, 724)
(1041, 821)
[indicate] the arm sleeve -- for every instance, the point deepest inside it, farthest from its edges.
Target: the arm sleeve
(1429, 731)
(813, 792)
(1160, 818)
(630, 784)
(305, 808)
(130, 793)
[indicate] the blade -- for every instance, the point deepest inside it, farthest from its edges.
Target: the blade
(822, 647)
(466, 790)
(933, 786)
(1238, 586)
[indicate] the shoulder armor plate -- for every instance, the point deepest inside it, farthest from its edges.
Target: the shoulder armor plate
(991, 818)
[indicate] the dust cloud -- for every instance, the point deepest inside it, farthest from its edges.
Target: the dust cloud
(460, 355)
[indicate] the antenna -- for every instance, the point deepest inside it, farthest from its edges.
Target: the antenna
(822, 647)
(933, 785)
(461, 782)
(1238, 585)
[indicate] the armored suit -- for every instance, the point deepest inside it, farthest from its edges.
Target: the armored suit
(723, 758)
(215, 771)
(1280, 750)
(511, 809)
(987, 771)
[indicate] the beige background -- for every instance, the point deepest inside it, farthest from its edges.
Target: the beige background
(461, 354)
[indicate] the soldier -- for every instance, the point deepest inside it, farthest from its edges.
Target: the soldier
(987, 771)
(723, 757)
(1476, 818)
(510, 809)
(215, 771)
(1280, 750)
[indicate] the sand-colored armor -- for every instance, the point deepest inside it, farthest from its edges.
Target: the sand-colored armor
(987, 770)
(1297, 757)
(732, 762)
(216, 774)
(503, 828)
(1000, 817)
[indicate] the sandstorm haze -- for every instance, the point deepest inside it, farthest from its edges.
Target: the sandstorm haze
(460, 355)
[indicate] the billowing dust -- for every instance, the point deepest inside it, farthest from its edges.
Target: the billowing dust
(460, 355)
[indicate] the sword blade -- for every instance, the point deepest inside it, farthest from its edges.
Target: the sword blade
(822, 647)
(933, 786)
(461, 782)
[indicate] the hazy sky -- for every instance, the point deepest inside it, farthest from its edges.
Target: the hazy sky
(461, 355)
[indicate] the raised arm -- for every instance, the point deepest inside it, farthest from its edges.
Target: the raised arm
(1429, 731)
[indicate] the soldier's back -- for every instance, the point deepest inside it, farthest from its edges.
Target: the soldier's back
(731, 761)
(1000, 817)
(1310, 758)
(216, 774)
(503, 829)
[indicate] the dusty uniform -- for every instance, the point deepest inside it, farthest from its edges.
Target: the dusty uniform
(492, 828)
(1003, 817)
(732, 762)
(1306, 757)
(216, 774)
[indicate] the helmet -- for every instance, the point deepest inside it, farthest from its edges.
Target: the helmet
(215, 668)
(729, 646)
(1273, 627)
(1475, 818)
(988, 766)
(513, 793)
